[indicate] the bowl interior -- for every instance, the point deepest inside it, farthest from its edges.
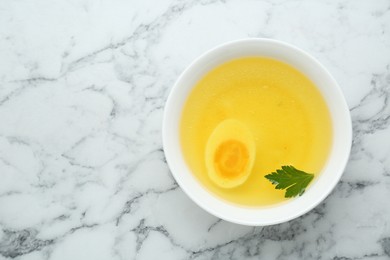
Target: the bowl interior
(326, 180)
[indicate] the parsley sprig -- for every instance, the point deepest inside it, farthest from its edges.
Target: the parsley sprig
(293, 180)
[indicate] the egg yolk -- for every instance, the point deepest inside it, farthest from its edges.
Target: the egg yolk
(231, 158)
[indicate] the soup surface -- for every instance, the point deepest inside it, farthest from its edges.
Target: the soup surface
(284, 118)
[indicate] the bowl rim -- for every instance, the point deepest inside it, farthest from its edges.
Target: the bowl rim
(173, 162)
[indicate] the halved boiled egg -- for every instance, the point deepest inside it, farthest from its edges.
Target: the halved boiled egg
(230, 154)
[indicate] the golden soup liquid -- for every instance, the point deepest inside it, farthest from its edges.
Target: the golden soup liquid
(285, 113)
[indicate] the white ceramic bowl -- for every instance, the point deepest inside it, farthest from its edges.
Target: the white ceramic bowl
(326, 180)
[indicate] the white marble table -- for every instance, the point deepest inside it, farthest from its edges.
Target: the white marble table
(82, 91)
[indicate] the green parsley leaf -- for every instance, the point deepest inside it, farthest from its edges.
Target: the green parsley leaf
(290, 178)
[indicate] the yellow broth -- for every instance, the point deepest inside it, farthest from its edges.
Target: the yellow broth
(284, 111)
